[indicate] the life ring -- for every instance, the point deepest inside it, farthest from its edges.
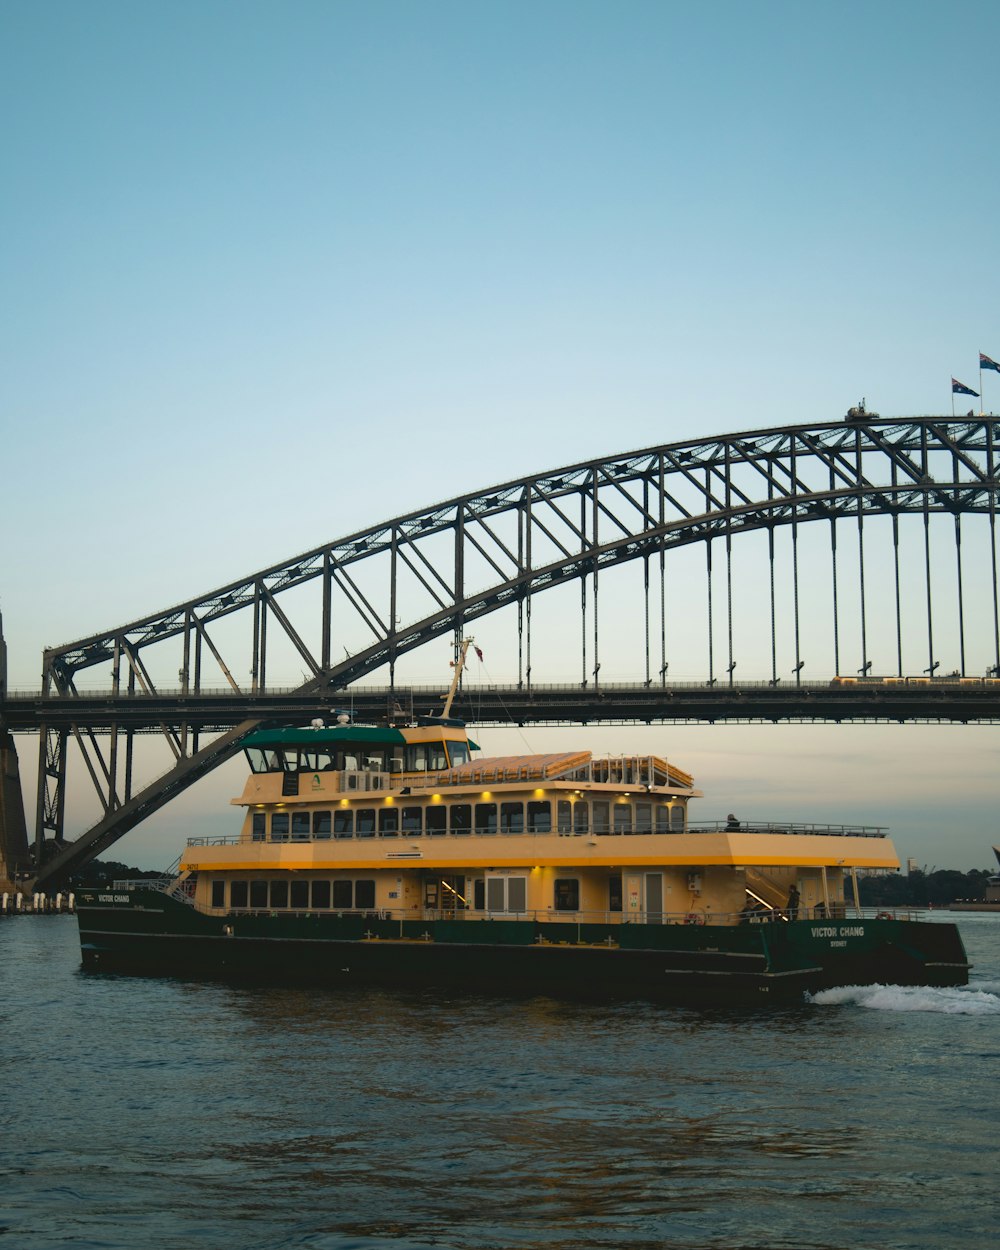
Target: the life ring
(694, 917)
(885, 915)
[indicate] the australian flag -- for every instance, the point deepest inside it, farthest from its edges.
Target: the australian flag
(959, 388)
(986, 363)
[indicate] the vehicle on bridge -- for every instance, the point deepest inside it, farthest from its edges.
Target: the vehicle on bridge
(945, 680)
(385, 855)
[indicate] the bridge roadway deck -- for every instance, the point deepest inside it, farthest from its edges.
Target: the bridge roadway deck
(937, 701)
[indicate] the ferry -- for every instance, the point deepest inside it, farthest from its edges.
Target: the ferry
(396, 855)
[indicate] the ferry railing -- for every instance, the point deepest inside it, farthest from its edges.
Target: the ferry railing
(796, 827)
(565, 921)
(787, 828)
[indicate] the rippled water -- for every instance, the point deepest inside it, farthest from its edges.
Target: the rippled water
(140, 1112)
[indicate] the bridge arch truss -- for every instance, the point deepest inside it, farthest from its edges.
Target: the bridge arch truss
(354, 608)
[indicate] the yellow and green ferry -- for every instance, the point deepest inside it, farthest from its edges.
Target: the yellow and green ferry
(398, 856)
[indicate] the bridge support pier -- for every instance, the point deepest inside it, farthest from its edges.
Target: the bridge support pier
(13, 831)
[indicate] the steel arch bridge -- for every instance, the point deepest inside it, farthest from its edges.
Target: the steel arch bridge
(392, 588)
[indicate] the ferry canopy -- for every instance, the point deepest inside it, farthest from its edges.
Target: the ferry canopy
(375, 735)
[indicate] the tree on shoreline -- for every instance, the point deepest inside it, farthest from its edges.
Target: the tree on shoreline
(922, 889)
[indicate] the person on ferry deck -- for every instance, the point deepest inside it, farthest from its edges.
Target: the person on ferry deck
(793, 903)
(731, 823)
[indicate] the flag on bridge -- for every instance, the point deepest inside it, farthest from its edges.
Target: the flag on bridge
(959, 388)
(986, 363)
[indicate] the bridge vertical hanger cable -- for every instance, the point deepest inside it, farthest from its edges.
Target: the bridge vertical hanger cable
(795, 574)
(729, 556)
(115, 690)
(326, 607)
(393, 607)
(861, 588)
(961, 600)
(774, 644)
(955, 476)
(833, 570)
(993, 471)
(711, 630)
(894, 478)
(861, 559)
(663, 579)
(597, 640)
(583, 588)
(645, 584)
(927, 558)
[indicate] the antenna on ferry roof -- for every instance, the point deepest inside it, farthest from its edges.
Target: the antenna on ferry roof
(459, 664)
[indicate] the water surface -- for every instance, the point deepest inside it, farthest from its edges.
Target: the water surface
(170, 1113)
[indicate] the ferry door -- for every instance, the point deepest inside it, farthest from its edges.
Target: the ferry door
(445, 894)
(654, 897)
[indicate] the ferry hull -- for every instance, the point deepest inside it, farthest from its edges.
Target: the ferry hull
(747, 964)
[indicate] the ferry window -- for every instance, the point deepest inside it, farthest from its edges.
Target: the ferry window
(458, 753)
(486, 818)
(496, 894)
(601, 816)
(351, 763)
(320, 894)
(413, 821)
(539, 816)
(279, 826)
(512, 818)
(677, 817)
(437, 756)
(581, 816)
(564, 816)
(644, 818)
(238, 894)
(479, 894)
(437, 817)
(255, 758)
(343, 895)
(662, 818)
(623, 818)
(321, 824)
(461, 818)
(300, 825)
(416, 759)
(274, 762)
(258, 893)
(258, 826)
(364, 894)
(366, 822)
(218, 893)
(343, 823)
(279, 893)
(614, 893)
(567, 894)
(298, 894)
(388, 822)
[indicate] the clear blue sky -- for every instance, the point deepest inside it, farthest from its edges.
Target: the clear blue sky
(272, 272)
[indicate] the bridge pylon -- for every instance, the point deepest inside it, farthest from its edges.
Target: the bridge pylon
(13, 830)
